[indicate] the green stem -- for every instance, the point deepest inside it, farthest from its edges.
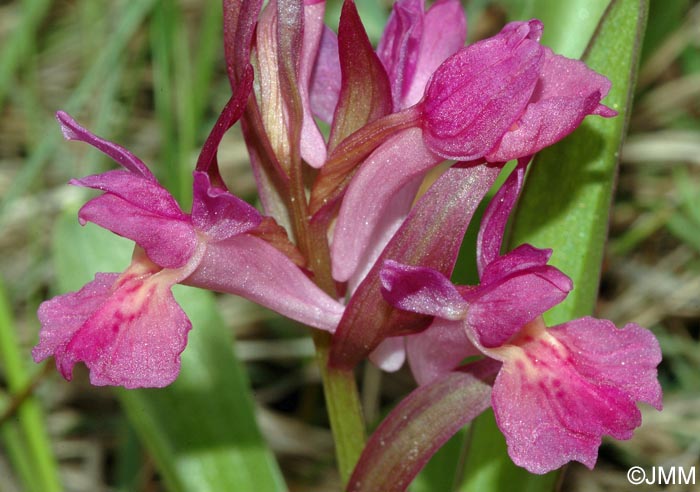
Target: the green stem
(343, 406)
(339, 386)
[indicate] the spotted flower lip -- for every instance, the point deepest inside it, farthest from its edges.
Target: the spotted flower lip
(127, 328)
(560, 389)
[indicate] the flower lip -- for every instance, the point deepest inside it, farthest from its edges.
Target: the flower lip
(561, 389)
(127, 328)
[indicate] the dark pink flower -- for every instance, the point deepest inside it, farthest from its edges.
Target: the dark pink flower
(507, 97)
(127, 327)
(414, 43)
(560, 389)
(499, 99)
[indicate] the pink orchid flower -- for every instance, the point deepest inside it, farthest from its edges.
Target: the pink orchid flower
(559, 390)
(499, 99)
(127, 328)
(414, 43)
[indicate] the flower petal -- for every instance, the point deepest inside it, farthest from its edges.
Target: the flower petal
(522, 258)
(566, 92)
(129, 334)
(325, 79)
(73, 131)
(553, 409)
(477, 94)
(63, 315)
(499, 310)
(438, 350)
(626, 357)
(495, 218)
(421, 290)
(389, 355)
(444, 32)
(142, 211)
(218, 213)
(313, 146)
(398, 162)
(250, 267)
(399, 46)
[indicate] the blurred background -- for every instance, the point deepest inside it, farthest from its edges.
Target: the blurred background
(149, 74)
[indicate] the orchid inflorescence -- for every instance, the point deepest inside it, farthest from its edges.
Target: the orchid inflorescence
(360, 253)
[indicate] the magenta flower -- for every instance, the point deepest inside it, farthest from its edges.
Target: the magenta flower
(414, 43)
(559, 389)
(499, 99)
(127, 328)
(507, 97)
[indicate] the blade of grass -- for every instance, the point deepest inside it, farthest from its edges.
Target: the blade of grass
(205, 61)
(16, 47)
(183, 86)
(18, 454)
(162, 38)
(201, 430)
(31, 438)
(132, 15)
(565, 206)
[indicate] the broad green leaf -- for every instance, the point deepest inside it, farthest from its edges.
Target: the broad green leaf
(566, 201)
(441, 471)
(565, 206)
(201, 430)
(568, 26)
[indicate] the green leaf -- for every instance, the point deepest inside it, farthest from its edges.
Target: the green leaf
(568, 26)
(566, 202)
(440, 472)
(201, 430)
(565, 206)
